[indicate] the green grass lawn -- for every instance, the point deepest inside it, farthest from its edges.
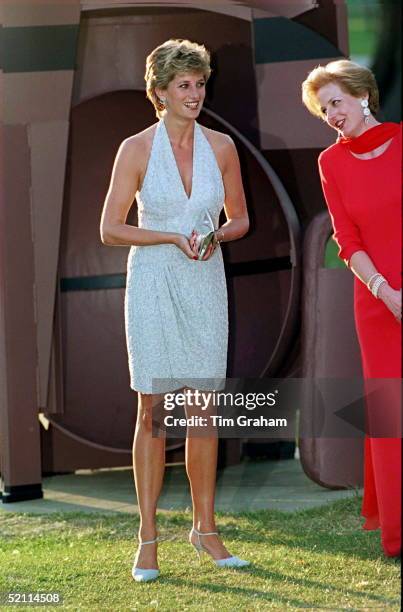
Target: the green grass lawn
(363, 36)
(314, 559)
(332, 259)
(363, 26)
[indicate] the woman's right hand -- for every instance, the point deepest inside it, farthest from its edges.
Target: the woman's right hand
(185, 245)
(392, 300)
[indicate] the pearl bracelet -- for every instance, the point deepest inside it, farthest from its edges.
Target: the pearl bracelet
(376, 285)
(372, 278)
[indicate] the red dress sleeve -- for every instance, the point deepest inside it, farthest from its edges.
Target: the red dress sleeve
(346, 232)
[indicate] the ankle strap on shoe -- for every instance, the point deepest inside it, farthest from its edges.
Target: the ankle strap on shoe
(201, 533)
(149, 541)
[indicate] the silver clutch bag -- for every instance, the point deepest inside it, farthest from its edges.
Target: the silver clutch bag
(205, 229)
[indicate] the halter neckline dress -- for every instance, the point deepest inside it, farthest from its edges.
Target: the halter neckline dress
(176, 313)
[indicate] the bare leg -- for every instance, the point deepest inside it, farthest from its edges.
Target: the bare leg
(201, 468)
(148, 469)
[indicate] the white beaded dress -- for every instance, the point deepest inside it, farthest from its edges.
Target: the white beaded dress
(176, 314)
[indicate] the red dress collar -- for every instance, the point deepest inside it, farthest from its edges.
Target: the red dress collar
(372, 138)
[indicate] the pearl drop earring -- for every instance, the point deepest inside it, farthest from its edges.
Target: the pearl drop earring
(365, 110)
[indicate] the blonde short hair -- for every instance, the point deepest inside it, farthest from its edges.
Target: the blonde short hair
(173, 57)
(352, 78)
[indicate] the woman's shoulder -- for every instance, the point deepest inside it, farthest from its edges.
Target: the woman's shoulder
(137, 142)
(223, 148)
(218, 140)
(332, 153)
(135, 150)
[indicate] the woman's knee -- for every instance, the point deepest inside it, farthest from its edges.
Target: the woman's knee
(145, 411)
(149, 411)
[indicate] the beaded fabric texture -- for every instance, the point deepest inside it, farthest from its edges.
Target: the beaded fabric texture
(176, 313)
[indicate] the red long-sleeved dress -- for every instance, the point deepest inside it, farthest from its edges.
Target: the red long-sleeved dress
(364, 199)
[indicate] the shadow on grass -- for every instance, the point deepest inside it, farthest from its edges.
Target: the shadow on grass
(319, 530)
(274, 576)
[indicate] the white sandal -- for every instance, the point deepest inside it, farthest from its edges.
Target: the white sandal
(200, 549)
(145, 575)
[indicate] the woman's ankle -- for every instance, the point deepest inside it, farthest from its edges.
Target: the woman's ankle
(205, 526)
(147, 533)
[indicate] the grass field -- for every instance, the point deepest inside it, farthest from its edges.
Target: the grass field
(313, 559)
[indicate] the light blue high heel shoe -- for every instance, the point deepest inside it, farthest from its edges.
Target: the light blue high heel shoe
(234, 562)
(145, 575)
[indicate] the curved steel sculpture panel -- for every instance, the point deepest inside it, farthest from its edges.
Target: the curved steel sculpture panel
(329, 350)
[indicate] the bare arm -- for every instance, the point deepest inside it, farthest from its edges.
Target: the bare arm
(362, 266)
(121, 193)
(237, 223)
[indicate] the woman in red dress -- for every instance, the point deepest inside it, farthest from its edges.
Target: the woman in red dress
(361, 179)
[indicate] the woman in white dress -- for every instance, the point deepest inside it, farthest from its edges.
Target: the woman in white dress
(175, 304)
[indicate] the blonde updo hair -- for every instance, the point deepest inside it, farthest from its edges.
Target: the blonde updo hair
(352, 78)
(173, 57)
